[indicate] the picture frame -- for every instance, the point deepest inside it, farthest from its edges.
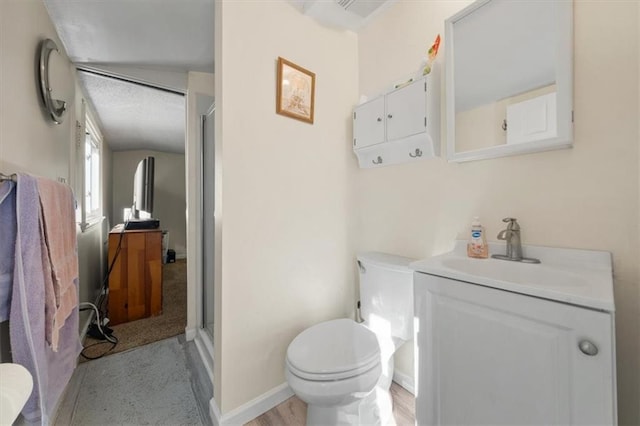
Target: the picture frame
(295, 91)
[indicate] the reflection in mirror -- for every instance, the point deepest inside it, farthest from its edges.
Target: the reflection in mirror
(509, 78)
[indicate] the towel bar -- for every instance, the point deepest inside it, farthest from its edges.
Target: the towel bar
(4, 177)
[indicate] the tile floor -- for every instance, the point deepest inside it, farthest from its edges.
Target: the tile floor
(160, 384)
(147, 385)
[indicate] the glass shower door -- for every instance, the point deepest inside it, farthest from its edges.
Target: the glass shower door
(208, 218)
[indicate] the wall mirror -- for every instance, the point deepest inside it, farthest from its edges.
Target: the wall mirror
(509, 78)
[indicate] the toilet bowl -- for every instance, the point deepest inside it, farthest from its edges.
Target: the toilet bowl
(343, 369)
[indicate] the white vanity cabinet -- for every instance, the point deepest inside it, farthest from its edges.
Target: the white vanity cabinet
(399, 126)
(490, 356)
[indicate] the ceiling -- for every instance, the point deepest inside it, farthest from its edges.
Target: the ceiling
(139, 41)
(135, 116)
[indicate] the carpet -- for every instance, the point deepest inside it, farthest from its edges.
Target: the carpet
(171, 322)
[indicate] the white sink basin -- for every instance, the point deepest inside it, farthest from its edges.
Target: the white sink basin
(515, 272)
(579, 277)
(15, 387)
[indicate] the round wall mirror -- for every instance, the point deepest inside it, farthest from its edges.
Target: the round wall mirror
(56, 108)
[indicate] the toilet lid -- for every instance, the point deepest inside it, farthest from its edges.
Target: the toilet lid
(333, 350)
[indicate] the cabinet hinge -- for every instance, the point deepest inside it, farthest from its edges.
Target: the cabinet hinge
(425, 122)
(354, 141)
(354, 115)
(572, 119)
(425, 86)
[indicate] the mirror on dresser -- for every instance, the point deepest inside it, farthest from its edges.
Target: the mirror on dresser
(509, 78)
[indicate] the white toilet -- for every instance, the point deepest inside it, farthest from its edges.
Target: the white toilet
(343, 369)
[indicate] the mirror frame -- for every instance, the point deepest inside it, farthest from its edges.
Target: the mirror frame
(564, 91)
(55, 107)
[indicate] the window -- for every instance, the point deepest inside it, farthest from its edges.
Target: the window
(90, 168)
(91, 175)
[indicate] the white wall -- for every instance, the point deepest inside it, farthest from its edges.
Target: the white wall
(169, 199)
(25, 129)
(585, 197)
(287, 261)
(29, 141)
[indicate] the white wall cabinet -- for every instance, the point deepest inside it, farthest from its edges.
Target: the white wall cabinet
(400, 126)
(369, 123)
(532, 120)
(407, 111)
(488, 356)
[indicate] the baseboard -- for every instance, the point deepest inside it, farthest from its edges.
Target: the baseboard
(74, 382)
(90, 318)
(214, 412)
(85, 326)
(405, 381)
(204, 345)
(272, 398)
(251, 409)
(190, 334)
(65, 409)
(201, 384)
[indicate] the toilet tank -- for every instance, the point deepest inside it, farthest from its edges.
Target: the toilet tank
(386, 293)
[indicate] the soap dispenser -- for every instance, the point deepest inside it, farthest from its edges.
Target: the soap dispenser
(477, 246)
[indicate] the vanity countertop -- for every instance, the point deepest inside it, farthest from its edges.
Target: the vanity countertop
(577, 277)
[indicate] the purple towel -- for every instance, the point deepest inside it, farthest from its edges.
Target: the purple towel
(7, 245)
(51, 371)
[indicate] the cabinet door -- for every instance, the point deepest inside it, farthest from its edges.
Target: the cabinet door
(487, 356)
(118, 279)
(135, 283)
(532, 120)
(368, 123)
(137, 276)
(406, 111)
(153, 273)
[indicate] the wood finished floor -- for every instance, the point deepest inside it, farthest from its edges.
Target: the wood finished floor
(293, 411)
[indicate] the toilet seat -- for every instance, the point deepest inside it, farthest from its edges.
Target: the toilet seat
(333, 350)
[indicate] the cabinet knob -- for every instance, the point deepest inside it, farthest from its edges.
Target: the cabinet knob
(389, 116)
(588, 348)
(379, 119)
(377, 160)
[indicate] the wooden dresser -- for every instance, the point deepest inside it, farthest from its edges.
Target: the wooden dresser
(135, 283)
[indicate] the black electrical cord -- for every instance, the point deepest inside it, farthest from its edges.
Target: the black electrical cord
(113, 345)
(108, 335)
(110, 339)
(105, 282)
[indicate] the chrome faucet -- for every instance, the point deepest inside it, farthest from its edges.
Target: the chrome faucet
(514, 243)
(512, 236)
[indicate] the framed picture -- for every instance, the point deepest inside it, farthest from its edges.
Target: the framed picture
(295, 91)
